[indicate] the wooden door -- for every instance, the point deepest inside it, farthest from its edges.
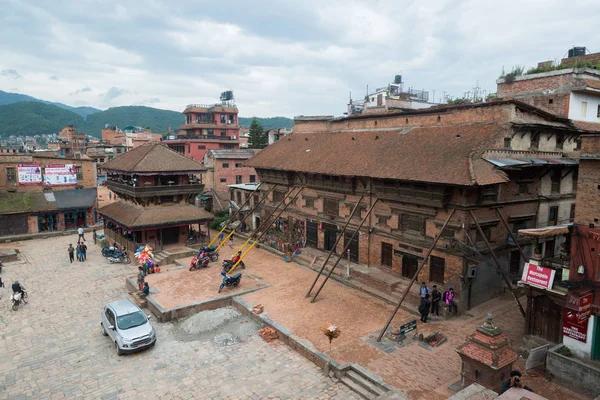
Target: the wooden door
(312, 236)
(547, 319)
(515, 266)
(330, 236)
(409, 266)
(353, 246)
(437, 266)
(386, 254)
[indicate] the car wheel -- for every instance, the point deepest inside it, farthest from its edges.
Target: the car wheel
(102, 330)
(119, 351)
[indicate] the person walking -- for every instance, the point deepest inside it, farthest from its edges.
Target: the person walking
(78, 252)
(424, 308)
(140, 278)
(109, 196)
(83, 251)
(71, 250)
(449, 299)
(80, 232)
(221, 236)
(436, 296)
(231, 241)
(94, 236)
(423, 290)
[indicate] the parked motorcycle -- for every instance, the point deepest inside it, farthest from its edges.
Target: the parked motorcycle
(111, 252)
(230, 281)
(199, 262)
(121, 258)
(228, 264)
(209, 252)
(17, 299)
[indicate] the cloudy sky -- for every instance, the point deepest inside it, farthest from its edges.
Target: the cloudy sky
(279, 57)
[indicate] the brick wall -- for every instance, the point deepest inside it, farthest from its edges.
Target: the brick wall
(587, 208)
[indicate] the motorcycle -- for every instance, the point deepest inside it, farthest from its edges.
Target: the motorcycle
(16, 299)
(228, 264)
(230, 281)
(111, 252)
(209, 252)
(199, 262)
(121, 258)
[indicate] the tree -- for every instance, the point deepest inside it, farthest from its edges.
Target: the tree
(257, 138)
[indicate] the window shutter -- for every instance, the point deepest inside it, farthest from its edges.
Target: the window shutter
(403, 222)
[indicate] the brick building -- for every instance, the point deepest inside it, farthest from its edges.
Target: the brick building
(227, 167)
(208, 127)
(419, 165)
(70, 143)
(571, 92)
(156, 187)
(101, 153)
(40, 193)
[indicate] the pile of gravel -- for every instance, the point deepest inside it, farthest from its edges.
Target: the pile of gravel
(207, 321)
(225, 339)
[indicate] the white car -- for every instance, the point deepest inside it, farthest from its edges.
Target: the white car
(127, 326)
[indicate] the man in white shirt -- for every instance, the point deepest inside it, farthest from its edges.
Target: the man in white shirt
(80, 232)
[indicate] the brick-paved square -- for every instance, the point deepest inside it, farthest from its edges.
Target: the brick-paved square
(52, 347)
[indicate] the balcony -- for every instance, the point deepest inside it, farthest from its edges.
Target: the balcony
(148, 191)
(206, 137)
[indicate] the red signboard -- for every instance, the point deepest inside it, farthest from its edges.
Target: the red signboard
(585, 307)
(572, 327)
(538, 276)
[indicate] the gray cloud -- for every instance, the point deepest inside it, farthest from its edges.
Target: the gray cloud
(54, 77)
(10, 73)
(280, 58)
(82, 90)
(113, 93)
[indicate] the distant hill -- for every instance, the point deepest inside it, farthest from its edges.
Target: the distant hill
(35, 118)
(157, 120)
(10, 98)
(268, 123)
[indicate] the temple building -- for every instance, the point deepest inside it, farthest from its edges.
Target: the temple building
(157, 187)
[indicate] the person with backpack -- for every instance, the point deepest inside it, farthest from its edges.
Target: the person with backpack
(449, 300)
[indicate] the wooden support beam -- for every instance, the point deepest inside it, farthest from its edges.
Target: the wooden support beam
(514, 239)
(414, 278)
(344, 251)
(356, 207)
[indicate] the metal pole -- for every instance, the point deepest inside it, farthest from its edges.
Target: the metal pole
(514, 239)
(334, 246)
(489, 246)
(265, 231)
(414, 278)
(345, 248)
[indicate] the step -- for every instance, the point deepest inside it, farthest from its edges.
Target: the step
(359, 389)
(366, 383)
(139, 300)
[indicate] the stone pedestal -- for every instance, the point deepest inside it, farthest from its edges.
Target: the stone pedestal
(487, 357)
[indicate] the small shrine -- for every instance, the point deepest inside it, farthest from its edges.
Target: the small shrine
(487, 357)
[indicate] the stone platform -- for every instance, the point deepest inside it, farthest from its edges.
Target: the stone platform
(176, 292)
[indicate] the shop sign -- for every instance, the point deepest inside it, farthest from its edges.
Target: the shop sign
(60, 174)
(538, 276)
(585, 307)
(572, 327)
(29, 174)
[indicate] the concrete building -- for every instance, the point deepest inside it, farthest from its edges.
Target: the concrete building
(70, 143)
(208, 127)
(227, 167)
(40, 193)
(420, 165)
(156, 187)
(101, 153)
(130, 136)
(274, 135)
(573, 91)
(244, 196)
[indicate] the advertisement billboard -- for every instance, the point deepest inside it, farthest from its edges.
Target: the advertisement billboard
(60, 174)
(538, 276)
(29, 174)
(572, 327)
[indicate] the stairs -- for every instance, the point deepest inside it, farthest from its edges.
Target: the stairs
(160, 257)
(140, 301)
(366, 385)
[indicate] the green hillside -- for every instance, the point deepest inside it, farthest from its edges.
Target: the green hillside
(269, 123)
(10, 98)
(157, 120)
(34, 118)
(37, 118)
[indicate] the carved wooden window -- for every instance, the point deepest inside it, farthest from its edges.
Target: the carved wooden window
(278, 197)
(412, 223)
(331, 207)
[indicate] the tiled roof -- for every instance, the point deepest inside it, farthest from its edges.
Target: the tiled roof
(136, 217)
(153, 157)
(588, 126)
(592, 83)
(237, 154)
(445, 154)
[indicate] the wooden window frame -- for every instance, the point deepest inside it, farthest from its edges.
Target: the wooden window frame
(11, 177)
(331, 207)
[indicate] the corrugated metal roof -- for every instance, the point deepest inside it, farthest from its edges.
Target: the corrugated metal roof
(75, 198)
(516, 162)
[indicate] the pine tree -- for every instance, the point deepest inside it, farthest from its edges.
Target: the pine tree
(257, 138)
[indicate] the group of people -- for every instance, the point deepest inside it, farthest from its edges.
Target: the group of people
(430, 301)
(80, 250)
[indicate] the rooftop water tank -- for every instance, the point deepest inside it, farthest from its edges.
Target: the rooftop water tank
(577, 51)
(398, 79)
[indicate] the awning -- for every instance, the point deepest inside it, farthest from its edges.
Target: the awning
(529, 162)
(548, 231)
(76, 198)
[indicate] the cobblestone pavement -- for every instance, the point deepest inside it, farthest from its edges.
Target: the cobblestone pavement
(52, 347)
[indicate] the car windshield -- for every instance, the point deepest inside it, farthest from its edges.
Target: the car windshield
(132, 320)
